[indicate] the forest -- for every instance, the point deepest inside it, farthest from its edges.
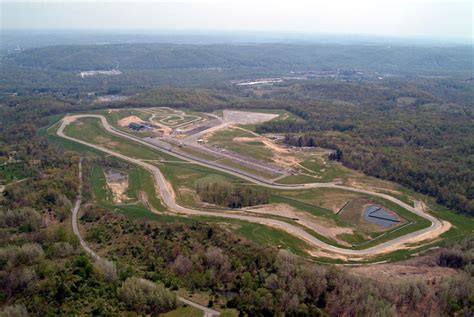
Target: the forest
(229, 195)
(413, 138)
(144, 66)
(415, 131)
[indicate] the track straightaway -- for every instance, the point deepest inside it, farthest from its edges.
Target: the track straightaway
(167, 195)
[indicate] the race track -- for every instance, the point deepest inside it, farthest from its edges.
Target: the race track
(167, 195)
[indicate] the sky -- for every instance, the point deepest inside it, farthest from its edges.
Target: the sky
(440, 20)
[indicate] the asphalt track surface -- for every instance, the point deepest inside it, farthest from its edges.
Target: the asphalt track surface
(167, 195)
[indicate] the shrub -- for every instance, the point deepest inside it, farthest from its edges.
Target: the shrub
(145, 296)
(14, 311)
(62, 249)
(107, 269)
(28, 253)
(452, 258)
(26, 219)
(24, 255)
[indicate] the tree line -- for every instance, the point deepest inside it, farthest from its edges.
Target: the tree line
(424, 143)
(259, 280)
(230, 195)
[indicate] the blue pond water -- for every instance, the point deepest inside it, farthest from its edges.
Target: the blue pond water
(379, 216)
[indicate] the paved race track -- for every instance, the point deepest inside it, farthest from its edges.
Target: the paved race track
(167, 195)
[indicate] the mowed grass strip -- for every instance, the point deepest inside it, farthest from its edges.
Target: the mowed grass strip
(199, 154)
(230, 163)
(298, 179)
(327, 172)
(256, 150)
(100, 192)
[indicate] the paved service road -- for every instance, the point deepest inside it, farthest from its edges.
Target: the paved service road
(167, 194)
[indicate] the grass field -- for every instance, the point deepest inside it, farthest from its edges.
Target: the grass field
(298, 179)
(98, 185)
(185, 176)
(171, 117)
(316, 202)
(326, 171)
(139, 179)
(265, 235)
(90, 130)
(227, 135)
(225, 139)
(313, 200)
(198, 154)
(233, 164)
(115, 115)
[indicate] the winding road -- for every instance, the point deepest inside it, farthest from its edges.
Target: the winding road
(208, 312)
(167, 195)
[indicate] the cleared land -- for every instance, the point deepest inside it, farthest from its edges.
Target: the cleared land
(117, 182)
(165, 192)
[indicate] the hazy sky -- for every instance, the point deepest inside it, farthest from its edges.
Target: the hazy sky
(402, 18)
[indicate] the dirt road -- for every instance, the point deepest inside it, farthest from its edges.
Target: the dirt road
(75, 211)
(167, 195)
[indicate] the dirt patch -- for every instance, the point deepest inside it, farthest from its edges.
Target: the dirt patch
(282, 210)
(244, 117)
(329, 255)
(419, 268)
(330, 200)
(319, 225)
(381, 186)
(281, 155)
(124, 122)
(245, 139)
(69, 119)
(384, 272)
(118, 185)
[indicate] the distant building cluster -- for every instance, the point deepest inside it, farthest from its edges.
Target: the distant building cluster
(89, 73)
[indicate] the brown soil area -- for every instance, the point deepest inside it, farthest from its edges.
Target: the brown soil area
(143, 197)
(244, 117)
(322, 226)
(329, 200)
(124, 122)
(281, 156)
(419, 268)
(376, 186)
(118, 189)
